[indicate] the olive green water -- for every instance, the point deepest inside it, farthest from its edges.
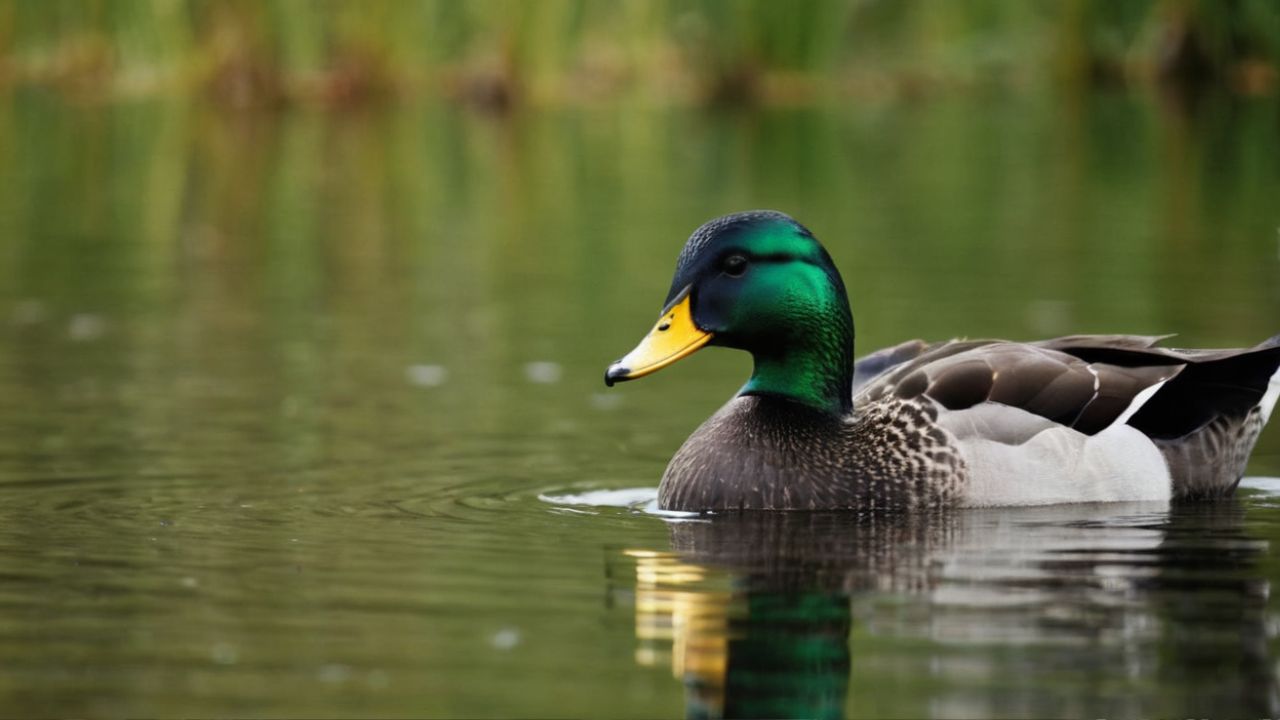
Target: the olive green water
(302, 414)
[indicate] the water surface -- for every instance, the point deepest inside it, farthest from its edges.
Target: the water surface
(302, 413)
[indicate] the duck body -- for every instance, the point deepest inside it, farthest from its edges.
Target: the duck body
(1086, 418)
(927, 433)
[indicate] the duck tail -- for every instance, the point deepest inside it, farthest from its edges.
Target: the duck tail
(1208, 418)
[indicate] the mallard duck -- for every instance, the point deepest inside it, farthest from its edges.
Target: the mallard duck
(967, 423)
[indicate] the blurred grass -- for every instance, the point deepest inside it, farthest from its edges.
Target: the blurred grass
(499, 52)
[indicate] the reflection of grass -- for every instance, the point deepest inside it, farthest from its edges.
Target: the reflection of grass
(496, 52)
(428, 236)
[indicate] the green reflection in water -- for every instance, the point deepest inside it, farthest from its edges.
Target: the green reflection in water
(1109, 610)
(278, 393)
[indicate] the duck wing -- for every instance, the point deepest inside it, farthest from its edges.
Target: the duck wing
(1052, 386)
(1202, 409)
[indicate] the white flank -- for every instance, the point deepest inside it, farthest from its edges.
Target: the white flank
(1269, 398)
(1061, 465)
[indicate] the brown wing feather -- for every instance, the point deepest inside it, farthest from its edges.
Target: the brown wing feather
(1117, 387)
(961, 383)
(1060, 399)
(1128, 342)
(1041, 380)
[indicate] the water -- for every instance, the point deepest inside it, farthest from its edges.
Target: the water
(302, 414)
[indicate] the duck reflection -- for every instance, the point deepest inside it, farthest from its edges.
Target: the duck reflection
(1102, 610)
(743, 654)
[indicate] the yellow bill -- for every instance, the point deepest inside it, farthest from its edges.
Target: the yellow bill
(673, 337)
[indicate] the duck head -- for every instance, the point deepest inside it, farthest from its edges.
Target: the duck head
(757, 281)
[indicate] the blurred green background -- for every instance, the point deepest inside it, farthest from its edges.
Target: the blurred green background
(305, 305)
(554, 52)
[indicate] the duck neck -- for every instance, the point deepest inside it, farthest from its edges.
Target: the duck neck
(815, 369)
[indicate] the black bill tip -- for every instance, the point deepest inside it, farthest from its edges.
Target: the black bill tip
(615, 373)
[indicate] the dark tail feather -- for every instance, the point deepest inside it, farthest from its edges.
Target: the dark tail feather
(1207, 419)
(1228, 387)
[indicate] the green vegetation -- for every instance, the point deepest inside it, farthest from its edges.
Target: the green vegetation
(499, 52)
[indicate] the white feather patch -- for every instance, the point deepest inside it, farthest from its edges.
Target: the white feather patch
(1061, 465)
(994, 421)
(1138, 401)
(1269, 398)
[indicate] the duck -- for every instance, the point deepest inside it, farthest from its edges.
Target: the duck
(929, 425)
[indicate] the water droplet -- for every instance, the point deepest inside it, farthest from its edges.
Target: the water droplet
(378, 679)
(225, 654)
(505, 639)
(28, 312)
(606, 401)
(543, 372)
(426, 375)
(86, 326)
(1049, 317)
(334, 673)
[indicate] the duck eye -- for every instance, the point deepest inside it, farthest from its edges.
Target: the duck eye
(735, 266)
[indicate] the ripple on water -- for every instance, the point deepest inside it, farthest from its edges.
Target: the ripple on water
(636, 500)
(645, 499)
(1261, 485)
(628, 498)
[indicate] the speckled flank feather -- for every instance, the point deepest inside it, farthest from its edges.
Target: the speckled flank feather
(761, 452)
(1210, 461)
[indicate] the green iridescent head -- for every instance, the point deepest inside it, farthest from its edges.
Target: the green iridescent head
(757, 281)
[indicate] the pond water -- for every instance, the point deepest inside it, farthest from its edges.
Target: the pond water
(302, 413)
